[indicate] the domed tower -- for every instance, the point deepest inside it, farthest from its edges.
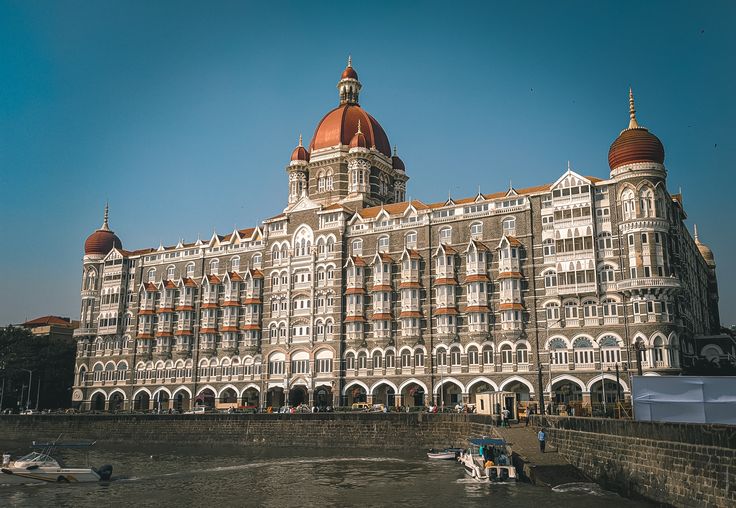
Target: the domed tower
(99, 243)
(401, 178)
(298, 171)
(359, 166)
(636, 159)
(337, 149)
(715, 319)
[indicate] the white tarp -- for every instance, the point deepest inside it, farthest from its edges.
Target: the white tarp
(687, 399)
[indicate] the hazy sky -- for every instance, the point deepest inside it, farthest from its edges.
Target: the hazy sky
(183, 114)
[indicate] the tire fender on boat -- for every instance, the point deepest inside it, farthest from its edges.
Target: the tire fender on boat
(62, 479)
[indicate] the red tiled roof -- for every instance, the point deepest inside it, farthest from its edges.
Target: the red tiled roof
(351, 319)
(251, 327)
(163, 310)
(447, 311)
(413, 254)
(146, 312)
(183, 332)
(355, 291)
(229, 329)
(231, 303)
(189, 282)
(235, 276)
(208, 330)
(381, 316)
(145, 336)
(249, 301)
(256, 274)
(169, 284)
(445, 282)
(209, 306)
(477, 278)
(410, 314)
(48, 320)
(381, 288)
(510, 275)
(213, 279)
(513, 241)
(511, 306)
(163, 334)
(150, 287)
(184, 307)
(357, 260)
(409, 285)
(391, 209)
(477, 308)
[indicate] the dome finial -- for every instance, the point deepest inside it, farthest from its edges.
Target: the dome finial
(300, 139)
(632, 112)
(350, 60)
(359, 131)
(105, 225)
(695, 231)
(396, 152)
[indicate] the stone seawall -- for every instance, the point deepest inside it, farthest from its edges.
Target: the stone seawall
(671, 463)
(362, 430)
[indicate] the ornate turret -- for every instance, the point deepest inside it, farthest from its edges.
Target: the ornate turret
(103, 240)
(349, 86)
(297, 170)
(635, 143)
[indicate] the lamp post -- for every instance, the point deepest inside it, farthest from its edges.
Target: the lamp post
(30, 383)
(540, 386)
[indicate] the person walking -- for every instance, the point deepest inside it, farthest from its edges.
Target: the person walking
(542, 436)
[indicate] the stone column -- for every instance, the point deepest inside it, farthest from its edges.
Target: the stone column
(586, 399)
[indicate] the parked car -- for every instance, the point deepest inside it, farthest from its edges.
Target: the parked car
(360, 406)
(200, 410)
(29, 412)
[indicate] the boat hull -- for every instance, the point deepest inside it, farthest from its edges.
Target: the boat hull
(13, 475)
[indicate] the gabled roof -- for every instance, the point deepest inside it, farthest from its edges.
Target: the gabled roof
(411, 253)
(392, 209)
(48, 320)
(383, 257)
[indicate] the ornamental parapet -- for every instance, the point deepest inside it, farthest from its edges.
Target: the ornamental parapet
(649, 283)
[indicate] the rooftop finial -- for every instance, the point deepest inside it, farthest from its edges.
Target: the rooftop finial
(300, 139)
(632, 111)
(105, 225)
(359, 132)
(695, 231)
(396, 152)
(350, 60)
(569, 168)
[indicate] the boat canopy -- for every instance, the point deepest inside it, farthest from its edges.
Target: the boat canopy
(487, 442)
(69, 444)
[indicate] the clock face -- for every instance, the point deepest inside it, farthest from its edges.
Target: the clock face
(77, 395)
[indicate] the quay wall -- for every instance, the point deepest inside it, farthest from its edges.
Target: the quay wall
(677, 464)
(331, 430)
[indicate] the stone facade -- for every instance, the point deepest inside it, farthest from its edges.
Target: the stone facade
(353, 294)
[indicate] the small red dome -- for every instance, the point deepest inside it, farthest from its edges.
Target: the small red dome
(397, 163)
(339, 126)
(300, 154)
(101, 242)
(358, 140)
(635, 145)
(349, 73)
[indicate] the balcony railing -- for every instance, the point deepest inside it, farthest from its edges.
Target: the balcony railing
(649, 282)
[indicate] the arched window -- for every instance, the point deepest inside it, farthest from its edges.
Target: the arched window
(362, 360)
(608, 274)
(446, 235)
(605, 240)
(473, 355)
(190, 270)
(328, 181)
(590, 309)
(550, 279)
(522, 354)
(170, 272)
(214, 266)
(627, 204)
(357, 246)
(548, 247)
(152, 275)
(646, 202)
(507, 356)
(488, 355)
(441, 357)
(455, 356)
(405, 359)
(571, 310)
(610, 350)
(419, 358)
(583, 350)
(321, 182)
(235, 264)
(509, 226)
(410, 239)
(383, 243)
(390, 360)
(553, 311)
(256, 260)
(610, 307)
(476, 230)
(275, 253)
(558, 351)
(658, 351)
(377, 360)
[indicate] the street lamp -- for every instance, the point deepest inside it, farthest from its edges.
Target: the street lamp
(540, 386)
(30, 382)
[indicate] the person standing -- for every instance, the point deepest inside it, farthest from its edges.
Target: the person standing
(542, 437)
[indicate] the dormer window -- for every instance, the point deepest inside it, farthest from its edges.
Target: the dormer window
(383, 244)
(214, 266)
(170, 272)
(357, 246)
(446, 235)
(509, 226)
(190, 270)
(235, 264)
(476, 230)
(152, 275)
(411, 239)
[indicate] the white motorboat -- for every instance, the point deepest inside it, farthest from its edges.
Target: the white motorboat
(493, 465)
(41, 467)
(441, 455)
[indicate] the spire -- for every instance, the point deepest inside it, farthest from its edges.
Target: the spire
(300, 139)
(632, 112)
(396, 152)
(569, 167)
(359, 132)
(695, 231)
(105, 225)
(350, 60)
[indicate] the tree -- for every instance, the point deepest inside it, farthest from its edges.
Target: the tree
(52, 363)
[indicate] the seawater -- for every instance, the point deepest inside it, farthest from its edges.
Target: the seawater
(221, 475)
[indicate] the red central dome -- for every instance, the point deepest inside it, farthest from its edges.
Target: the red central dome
(101, 242)
(635, 145)
(340, 125)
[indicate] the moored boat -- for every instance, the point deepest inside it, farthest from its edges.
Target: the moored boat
(488, 460)
(42, 467)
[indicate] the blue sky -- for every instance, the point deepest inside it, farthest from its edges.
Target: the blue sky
(183, 114)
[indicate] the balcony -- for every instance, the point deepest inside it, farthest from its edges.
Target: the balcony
(87, 330)
(354, 282)
(576, 255)
(409, 305)
(475, 268)
(571, 289)
(301, 312)
(585, 366)
(645, 283)
(147, 305)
